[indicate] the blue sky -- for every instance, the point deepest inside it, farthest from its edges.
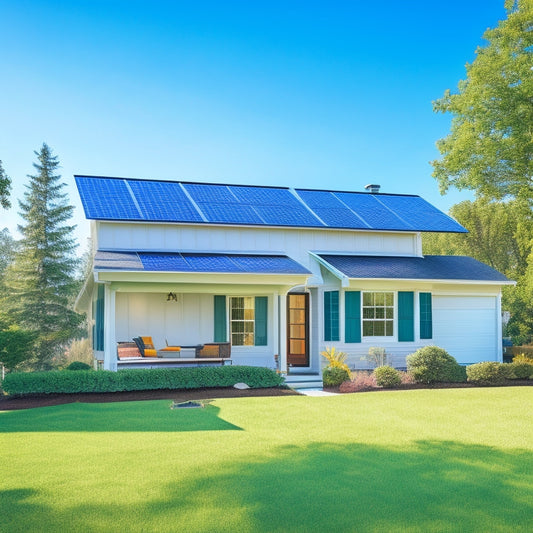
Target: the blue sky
(303, 94)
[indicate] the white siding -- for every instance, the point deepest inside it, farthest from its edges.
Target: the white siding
(186, 323)
(467, 327)
(295, 242)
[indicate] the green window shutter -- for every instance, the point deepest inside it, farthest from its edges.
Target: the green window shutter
(220, 334)
(352, 316)
(426, 316)
(98, 330)
(406, 320)
(331, 315)
(260, 327)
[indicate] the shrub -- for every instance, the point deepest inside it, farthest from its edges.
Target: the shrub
(78, 365)
(387, 377)
(432, 364)
(360, 381)
(63, 381)
(520, 370)
(487, 373)
(335, 359)
(523, 358)
(333, 376)
(407, 379)
(377, 356)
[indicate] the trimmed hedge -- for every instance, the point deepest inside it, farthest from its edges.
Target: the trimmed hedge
(333, 376)
(64, 381)
(387, 377)
(488, 373)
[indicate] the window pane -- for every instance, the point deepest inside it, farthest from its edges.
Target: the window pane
(368, 329)
(379, 298)
(249, 327)
(237, 339)
(248, 339)
(380, 312)
(248, 314)
(379, 329)
(389, 298)
(296, 316)
(389, 329)
(297, 347)
(368, 298)
(297, 301)
(297, 332)
(368, 312)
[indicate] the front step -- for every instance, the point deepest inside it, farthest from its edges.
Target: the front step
(304, 381)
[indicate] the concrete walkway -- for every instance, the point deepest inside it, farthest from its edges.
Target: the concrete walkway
(316, 392)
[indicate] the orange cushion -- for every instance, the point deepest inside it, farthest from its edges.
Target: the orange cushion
(171, 349)
(150, 352)
(148, 343)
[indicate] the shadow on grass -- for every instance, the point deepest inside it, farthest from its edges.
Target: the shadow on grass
(118, 416)
(428, 486)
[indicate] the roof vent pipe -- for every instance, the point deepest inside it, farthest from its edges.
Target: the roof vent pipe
(372, 188)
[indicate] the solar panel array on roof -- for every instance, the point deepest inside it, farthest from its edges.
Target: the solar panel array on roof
(166, 201)
(198, 262)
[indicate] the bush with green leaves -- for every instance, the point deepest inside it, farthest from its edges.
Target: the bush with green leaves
(487, 373)
(520, 370)
(333, 376)
(78, 365)
(432, 364)
(387, 377)
(63, 381)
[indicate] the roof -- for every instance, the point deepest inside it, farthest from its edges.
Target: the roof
(126, 199)
(197, 262)
(430, 267)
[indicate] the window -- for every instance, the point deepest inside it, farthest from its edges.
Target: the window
(242, 318)
(378, 314)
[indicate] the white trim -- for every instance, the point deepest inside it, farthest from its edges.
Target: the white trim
(345, 281)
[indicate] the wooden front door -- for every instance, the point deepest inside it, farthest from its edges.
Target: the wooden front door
(298, 329)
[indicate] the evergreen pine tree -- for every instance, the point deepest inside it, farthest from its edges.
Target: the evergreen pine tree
(41, 280)
(5, 188)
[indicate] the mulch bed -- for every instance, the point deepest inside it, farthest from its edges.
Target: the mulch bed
(180, 395)
(183, 395)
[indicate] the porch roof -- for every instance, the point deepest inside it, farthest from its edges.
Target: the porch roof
(429, 267)
(197, 263)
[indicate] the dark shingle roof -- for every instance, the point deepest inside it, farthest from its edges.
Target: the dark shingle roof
(124, 199)
(430, 267)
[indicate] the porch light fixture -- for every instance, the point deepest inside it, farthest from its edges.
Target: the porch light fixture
(172, 297)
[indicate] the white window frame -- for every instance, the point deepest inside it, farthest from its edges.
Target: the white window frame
(245, 321)
(394, 320)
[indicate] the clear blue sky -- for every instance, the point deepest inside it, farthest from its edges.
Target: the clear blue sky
(301, 94)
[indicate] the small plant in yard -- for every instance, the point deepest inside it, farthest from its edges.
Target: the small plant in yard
(432, 364)
(78, 365)
(487, 373)
(333, 376)
(520, 370)
(336, 371)
(360, 381)
(387, 377)
(377, 356)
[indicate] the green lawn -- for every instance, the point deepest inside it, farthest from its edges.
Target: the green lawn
(411, 461)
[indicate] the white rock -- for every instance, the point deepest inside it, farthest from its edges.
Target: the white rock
(240, 386)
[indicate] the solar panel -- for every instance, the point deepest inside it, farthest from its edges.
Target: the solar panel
(340, 217)
(287, 216)
(163, 262)
(106, 199)
(209, 193)
(374, 213)
(230, 213)
(263, 195)
(319, 199)
(421, 214)
(161, 200)
(266, 264)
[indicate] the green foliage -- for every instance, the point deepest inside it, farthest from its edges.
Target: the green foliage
(40, 281)
(78, 365)
(5, 188)
(521, 370)
(487, 373)
(377, 356)
(63, 381)
(387, 377)
(490, 148)
(335, 359)
(16, 346)
(333, 376)
(432, 364)
(523, 358)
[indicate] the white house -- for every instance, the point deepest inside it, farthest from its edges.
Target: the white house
(282, 274)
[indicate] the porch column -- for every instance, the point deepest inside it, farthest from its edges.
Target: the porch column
(283, 331)
(110, 345)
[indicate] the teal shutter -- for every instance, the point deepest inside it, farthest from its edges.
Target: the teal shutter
(331, 315)
(220, 334)
(261, 313)
(406, 320)
(426, 316)
(98, 329)
(352, 316)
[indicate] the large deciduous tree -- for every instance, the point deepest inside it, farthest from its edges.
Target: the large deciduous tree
(41, 279)
(490, 147)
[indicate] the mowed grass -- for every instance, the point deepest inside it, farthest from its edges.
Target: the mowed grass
(411, 461)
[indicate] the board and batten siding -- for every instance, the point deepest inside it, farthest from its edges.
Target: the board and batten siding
(187, 322)
(294, 242)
